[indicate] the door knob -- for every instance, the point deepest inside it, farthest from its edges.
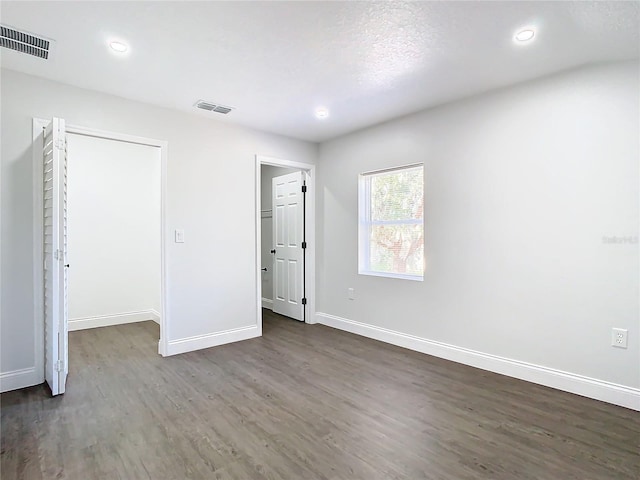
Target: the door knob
(67, 265)
(273, 251)
(264, 269)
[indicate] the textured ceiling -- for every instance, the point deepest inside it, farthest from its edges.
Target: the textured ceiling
(275, 62)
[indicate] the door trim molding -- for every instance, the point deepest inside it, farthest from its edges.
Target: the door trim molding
(38, 259)
(310, 212)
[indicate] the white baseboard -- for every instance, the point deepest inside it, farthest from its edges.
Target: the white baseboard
(569, 382)
(155, 316)
(108, 320)
(175, 347)
(161, 348)
(26, 377)
(267, 303)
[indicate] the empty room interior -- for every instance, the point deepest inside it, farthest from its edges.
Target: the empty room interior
(320, 240)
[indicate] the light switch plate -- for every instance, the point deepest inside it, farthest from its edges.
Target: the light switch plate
(179, 235)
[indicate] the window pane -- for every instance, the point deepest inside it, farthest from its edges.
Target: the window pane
(397, 249)
(397, 195)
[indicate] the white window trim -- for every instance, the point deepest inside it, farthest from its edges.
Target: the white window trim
(364, 224)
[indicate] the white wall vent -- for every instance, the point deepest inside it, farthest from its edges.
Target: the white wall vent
(213, 107)
(24, 42)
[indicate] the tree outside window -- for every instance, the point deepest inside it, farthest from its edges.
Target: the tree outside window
(391, 206)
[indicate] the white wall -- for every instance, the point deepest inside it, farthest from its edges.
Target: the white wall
(211, 289)
(522, 184)
(113, 200)
(267, 173)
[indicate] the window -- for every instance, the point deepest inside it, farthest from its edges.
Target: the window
(391, 227)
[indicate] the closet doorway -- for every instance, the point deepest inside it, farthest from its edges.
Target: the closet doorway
(113, 224)
(99, 223)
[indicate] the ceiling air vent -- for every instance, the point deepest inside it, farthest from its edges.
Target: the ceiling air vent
(212, 107)
(24, 42)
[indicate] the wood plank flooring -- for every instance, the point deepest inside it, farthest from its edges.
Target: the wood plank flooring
(303, 402)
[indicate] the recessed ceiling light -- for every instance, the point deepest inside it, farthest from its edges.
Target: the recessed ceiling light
(525, 35)
(322, 113)
(119, 47)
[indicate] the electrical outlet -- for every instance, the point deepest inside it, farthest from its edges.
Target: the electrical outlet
(179, 236)
(619, 337)
(352, 294)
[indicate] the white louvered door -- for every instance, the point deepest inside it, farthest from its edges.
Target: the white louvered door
(288, 233)
(55, 253)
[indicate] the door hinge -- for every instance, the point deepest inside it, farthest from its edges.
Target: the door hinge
(304, 189)
(59, 366)
(304, 301)
(58, 255)
(304, 245)
(59, 143)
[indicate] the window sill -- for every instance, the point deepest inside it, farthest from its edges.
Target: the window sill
(415, 278)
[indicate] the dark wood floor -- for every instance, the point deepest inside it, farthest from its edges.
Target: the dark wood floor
(303, 402)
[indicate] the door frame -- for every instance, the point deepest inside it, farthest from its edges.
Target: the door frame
(38, 247)
(310, 234)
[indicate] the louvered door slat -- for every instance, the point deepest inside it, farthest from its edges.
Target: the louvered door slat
(54, 237)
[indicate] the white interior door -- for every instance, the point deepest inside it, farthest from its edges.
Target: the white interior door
(288, 234)
(55, 254)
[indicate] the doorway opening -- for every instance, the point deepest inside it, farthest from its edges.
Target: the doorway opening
(113, 224)
(99, 237)
(285, 240)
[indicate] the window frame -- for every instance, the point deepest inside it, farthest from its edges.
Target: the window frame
(365, 223)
